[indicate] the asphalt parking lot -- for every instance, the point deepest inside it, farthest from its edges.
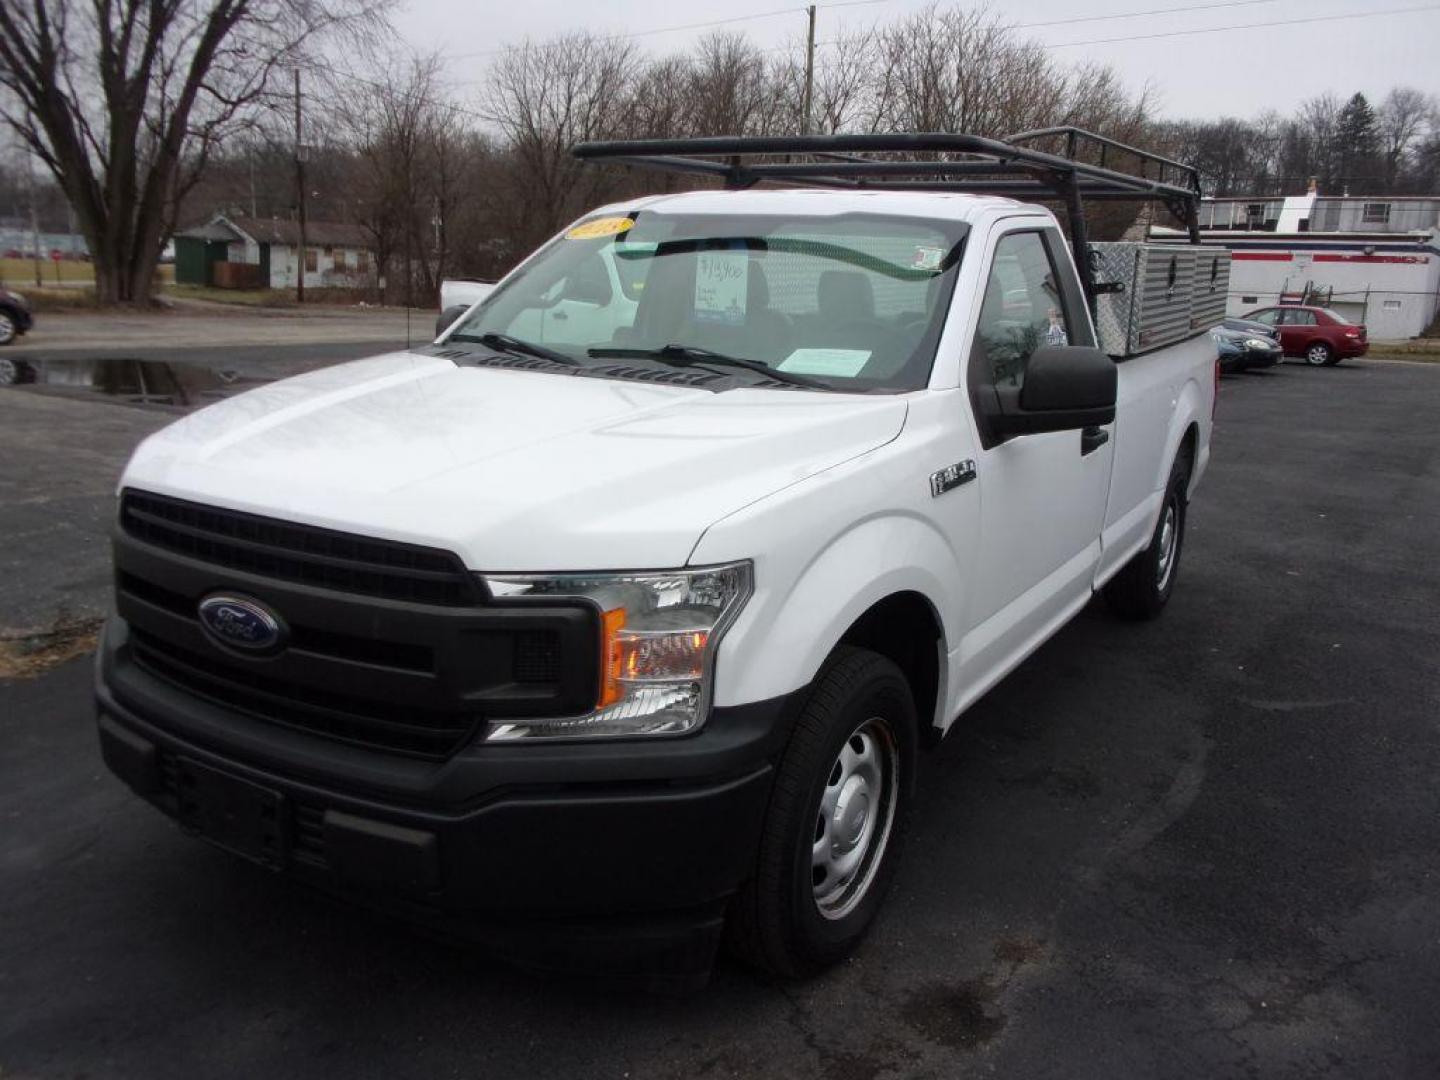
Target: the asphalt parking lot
(1205, 846)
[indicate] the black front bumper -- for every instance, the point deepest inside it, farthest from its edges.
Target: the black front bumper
(1249, 359)
(644, 837)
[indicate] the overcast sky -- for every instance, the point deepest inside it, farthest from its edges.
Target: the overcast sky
(1234, 72)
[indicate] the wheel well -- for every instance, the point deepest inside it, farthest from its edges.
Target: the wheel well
(905, 628)
(1189, 443)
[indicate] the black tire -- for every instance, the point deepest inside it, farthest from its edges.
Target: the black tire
(1319, 354)
(777, 922)
(1143, 587)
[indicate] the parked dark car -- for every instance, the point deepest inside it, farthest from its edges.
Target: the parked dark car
(15, 317)
(1318, 335)
(1242, 350)
(1253, 327)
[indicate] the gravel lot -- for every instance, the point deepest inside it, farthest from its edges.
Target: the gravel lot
(1200, 847)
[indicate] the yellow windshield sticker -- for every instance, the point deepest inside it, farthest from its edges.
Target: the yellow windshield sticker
(600, 226)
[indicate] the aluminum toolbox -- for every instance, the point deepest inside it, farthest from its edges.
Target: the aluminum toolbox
(1152, 295)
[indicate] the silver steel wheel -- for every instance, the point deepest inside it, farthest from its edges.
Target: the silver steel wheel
(9, 372)
(1169, 535)
(1317, 354)
(857, 812)
(7, 329)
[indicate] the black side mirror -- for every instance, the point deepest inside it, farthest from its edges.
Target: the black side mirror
(1066, 387)
(448, 316)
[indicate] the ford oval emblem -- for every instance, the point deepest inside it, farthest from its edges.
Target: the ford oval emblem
(239, 622)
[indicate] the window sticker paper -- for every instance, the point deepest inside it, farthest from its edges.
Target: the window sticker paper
(928, 258)
(601, 226)
(841, 363)
(722, 280)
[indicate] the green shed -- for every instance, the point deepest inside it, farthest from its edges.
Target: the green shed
(197, 250)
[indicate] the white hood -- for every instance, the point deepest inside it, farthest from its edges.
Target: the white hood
(512, 470)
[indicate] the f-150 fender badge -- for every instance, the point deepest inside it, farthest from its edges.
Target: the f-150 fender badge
(952, 476)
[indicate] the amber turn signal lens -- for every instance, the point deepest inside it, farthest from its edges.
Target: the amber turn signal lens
(611, 655)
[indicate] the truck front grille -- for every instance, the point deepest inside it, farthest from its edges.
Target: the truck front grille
(387, 659)
(377, 724)
(301, 553)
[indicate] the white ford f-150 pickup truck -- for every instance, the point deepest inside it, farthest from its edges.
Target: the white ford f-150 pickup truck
(620, 614)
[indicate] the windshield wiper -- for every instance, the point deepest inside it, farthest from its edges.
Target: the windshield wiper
(506, 343)
(694, 356)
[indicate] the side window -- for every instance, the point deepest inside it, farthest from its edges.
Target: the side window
(1302, 318)
(1270, 317)
(1022, 310)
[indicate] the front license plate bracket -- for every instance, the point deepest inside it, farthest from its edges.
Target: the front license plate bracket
(235, 814)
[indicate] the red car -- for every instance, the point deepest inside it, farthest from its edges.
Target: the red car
(1318, 334)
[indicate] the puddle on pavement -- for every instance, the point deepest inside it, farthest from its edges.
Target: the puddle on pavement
(134, 381)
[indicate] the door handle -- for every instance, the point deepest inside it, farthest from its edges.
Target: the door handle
(1092, 438)
(559, 316)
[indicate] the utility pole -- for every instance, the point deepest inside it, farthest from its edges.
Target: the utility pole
(300, 194)
(409, 234)
(34, 215)
(809, 69)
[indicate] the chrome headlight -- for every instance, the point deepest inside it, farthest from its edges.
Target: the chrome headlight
(1258, 343)
(658, 635)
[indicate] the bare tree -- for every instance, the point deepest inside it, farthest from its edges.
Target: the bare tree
(729, 89)
(844, 72)
(1403, 117)
(545, 98)
(954, 70)
(385, 118)
(124, 100)
(1313, 145)
(659, 108)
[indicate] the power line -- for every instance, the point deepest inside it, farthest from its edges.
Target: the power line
(1244, 26)
(1184, 9)
(490, 118)
(1175, 33)
(695, 26)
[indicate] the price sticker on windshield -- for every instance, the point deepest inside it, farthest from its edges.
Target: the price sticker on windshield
(722, 286)
(600, 226)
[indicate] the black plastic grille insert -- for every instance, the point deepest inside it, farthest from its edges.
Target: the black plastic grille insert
(301, 553)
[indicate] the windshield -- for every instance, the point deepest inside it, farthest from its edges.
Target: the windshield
(852, 302)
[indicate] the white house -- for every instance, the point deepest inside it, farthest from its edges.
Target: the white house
(265, 252)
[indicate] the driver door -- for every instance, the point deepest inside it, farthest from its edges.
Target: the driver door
(1044, 494)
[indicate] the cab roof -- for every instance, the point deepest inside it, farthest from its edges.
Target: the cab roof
(820, 202)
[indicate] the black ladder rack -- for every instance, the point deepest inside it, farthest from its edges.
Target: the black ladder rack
(931, 161)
